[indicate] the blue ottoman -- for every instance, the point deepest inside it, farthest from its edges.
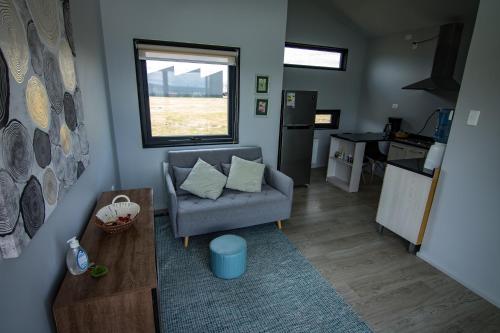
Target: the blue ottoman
(228, 256)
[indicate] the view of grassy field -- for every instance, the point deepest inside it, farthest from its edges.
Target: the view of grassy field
(178, 116)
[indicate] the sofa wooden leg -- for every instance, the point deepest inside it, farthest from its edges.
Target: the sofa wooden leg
(278, 223)
(186, 242)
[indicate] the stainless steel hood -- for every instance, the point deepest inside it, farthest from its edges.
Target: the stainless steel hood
(445, 59)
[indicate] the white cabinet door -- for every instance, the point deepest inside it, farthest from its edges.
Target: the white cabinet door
(402, 202)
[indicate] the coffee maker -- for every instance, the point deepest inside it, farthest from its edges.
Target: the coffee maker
(393, 125)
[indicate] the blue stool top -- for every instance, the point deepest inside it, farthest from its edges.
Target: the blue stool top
(228, 244)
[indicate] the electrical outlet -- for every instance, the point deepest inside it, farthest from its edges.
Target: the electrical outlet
(112, 187)
(473, 118)
(395, 106)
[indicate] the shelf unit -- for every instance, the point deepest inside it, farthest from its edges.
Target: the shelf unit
(341, 173)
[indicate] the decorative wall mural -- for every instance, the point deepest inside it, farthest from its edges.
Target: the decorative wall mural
(43, 138)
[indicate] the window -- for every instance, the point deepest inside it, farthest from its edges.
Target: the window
(188, 93)
(327, 119)
(313, 56)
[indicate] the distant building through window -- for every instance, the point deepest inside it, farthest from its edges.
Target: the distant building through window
(188, 93)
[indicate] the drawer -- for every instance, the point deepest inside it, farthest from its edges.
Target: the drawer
(400, 151)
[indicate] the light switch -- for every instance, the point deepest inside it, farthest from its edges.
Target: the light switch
(395, 106)
(473, 118)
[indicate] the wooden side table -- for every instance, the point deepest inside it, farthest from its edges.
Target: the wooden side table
(125, 299)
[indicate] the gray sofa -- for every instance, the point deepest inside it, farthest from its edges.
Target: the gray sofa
(191, 215)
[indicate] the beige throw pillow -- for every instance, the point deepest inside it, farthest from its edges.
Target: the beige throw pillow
(245, 175)
(204, 181)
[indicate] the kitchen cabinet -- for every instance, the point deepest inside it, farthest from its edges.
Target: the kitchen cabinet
(401, 151)
(406, 199)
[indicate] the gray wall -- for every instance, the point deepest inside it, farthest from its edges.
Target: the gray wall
(317, 23)
(28, 283)
(257, 27)
(392, 64)
(463, 235)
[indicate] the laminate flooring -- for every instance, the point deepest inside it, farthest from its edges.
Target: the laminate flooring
(392, 290)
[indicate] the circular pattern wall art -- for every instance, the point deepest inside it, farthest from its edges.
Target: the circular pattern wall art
(42, 148)
(50, 186)
(9, 203)
(53, 81)
(32, 206)
(37, 102)
(65, 136)
(67, 66)
(13, 40)
(17, 151)
(4, 92)
(43, 138)
(45, 16)
(36, 48)
(69, 111)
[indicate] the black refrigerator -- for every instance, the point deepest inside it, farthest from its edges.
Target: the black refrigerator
(298, 110)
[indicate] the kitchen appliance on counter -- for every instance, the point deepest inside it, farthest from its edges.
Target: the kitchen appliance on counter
(392, 127)
(443, 127)
(298, 110)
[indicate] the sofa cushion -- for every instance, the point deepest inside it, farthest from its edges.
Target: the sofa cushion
(233, 209)
(204, 181)
(227, 166)
(245, 175)
(180, 175)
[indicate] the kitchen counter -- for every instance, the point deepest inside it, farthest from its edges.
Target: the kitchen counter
(361, 137)
(414, 165)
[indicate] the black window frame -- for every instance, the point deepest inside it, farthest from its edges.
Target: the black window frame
(343, 55)
(150, 141)
(334, 122)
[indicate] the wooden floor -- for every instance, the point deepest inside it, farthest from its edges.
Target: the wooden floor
(392, 290)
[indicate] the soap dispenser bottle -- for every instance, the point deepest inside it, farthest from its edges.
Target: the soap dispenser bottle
(77, 259)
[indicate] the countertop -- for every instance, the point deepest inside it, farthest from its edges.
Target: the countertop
(415, 165)
(412, 140)
(362, 137)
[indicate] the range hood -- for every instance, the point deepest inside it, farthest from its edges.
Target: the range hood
(445, 59)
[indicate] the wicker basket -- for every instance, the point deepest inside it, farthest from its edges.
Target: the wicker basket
(108, 215)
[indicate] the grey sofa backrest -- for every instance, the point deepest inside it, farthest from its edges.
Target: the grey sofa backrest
(188, 158)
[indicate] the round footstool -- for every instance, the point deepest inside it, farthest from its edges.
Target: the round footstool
(228, 256)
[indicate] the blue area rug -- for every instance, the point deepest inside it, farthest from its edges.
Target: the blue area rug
(280, 292)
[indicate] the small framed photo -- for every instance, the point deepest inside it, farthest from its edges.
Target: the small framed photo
(261, 107)
(262, 84)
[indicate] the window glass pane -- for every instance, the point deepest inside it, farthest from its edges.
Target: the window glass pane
(187, 98)
(306, 57)
(323, 119)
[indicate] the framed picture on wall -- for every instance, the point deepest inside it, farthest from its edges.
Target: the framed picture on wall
(261, 107)
(262, 84)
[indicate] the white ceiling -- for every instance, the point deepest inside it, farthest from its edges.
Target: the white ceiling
(383, 17)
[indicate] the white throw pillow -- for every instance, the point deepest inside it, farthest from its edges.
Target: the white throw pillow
(245, 175)
(204, 181)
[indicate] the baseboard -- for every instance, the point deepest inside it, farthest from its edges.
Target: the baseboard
(454, 276)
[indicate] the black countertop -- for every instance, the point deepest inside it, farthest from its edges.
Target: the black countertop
(362, 137)
(413, 140)
(415, 165)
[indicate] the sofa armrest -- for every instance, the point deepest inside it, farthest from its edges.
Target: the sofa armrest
(171, 197)
(280, 181)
